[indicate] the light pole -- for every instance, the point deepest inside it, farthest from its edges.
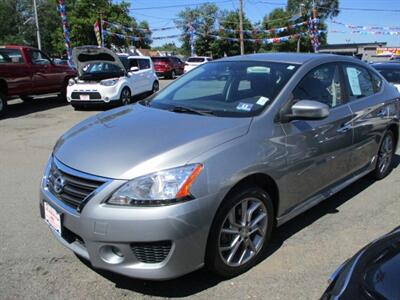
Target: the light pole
(300, 14)
(37, 25)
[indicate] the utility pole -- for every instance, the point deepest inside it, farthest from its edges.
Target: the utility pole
(241, 27)
(300, 15)
(37, 25)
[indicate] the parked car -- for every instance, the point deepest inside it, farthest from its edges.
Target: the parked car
(194, 61)
(27, 72)
(391, 71)
(372, 273)
(202, 172)
(168, 66)
(109, 79)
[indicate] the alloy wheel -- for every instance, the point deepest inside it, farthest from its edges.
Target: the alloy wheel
(243, 232)
(385, 154)
(126, 97)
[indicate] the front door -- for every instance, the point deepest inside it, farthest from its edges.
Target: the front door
(44, 79)
(318, 152)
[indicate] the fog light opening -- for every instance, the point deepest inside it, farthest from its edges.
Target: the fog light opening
(111, 254)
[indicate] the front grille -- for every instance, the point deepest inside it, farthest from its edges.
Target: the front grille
(151, 253)
(69, 188)
(92, 95)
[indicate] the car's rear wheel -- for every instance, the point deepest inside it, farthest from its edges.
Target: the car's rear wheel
(172, 75)
(240, 231)
(125, 97)
(384, 163)
(3, 104)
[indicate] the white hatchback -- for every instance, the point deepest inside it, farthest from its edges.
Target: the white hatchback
(109, 78)
(194, 61)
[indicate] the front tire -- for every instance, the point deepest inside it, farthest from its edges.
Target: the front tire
(240, 231)
(384, 163)
(126, 96)
(156, 87)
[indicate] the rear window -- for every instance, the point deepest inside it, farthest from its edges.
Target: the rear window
(196, 59)
(11, 56)
(144, 64)
(160, 59)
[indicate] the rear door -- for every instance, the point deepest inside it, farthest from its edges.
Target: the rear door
(16, 71)
(318, 151)
(370, 110)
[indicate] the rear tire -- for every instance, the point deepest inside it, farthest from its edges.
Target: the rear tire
(156, 87)
(172, 75)
(237, 243)
(3, 104)
(126, 96)
(384, 163)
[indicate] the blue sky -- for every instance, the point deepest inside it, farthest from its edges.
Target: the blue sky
(256, 9)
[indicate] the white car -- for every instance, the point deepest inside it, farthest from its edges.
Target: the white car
(194, 61)
(108, 78)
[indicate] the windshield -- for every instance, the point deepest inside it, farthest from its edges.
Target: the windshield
(97, 68)
(196, 59)
(231, 89)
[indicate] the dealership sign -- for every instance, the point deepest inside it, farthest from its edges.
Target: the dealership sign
(388, 51)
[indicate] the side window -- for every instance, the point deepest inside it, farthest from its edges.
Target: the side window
(144, 64)
(133, 63)
(11, 56)
(321, 84)
(377, 82)
(358, 81)
(38, 58)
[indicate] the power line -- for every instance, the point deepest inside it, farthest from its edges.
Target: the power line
(178, 5)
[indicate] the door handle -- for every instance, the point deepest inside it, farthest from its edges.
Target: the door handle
(344, 128)
(381, 113)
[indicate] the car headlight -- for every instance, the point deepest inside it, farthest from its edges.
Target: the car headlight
(71, 81)
(156, 189)
(109, 82)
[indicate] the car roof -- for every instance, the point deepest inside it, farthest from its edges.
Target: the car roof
(293, 58)
(138, 56)
(388, 65)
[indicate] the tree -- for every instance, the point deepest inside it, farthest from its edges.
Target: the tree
(326, 8)
(230, 21)
(169, 47)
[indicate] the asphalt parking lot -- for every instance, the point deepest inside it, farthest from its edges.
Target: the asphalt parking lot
(303, 253)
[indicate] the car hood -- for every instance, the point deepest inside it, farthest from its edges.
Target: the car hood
(135, 140)
(85, 55)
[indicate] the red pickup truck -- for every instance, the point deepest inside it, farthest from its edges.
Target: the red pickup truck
(26, 72)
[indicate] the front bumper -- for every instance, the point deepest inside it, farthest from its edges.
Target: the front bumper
(99, 227)
(98, 94)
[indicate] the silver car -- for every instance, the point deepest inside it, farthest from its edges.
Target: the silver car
(203, 171)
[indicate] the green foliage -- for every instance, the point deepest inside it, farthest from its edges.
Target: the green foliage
(81, 15)
(169, 47)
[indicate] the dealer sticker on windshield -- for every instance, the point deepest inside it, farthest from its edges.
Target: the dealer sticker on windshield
(244, 106)
(262, 100)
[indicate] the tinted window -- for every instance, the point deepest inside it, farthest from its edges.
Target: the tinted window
(321, 84)
(391, 75)
(236, 89)
(358, 81)
(144, 64)
(160, 59)
(38, 58)
(133, 62)
(11, 56)
(377, 81)
(196, 59)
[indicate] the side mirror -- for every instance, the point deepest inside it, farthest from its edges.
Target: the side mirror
(308, 110)
(134, 69)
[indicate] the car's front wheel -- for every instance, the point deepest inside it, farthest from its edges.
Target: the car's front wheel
(240, 232)
(126, 96)
(384, 163)
(156, 87)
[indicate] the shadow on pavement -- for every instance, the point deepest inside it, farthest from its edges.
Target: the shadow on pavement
(200, 280)
(17, 108)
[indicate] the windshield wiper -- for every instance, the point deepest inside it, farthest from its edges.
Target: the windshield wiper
(184, 109)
